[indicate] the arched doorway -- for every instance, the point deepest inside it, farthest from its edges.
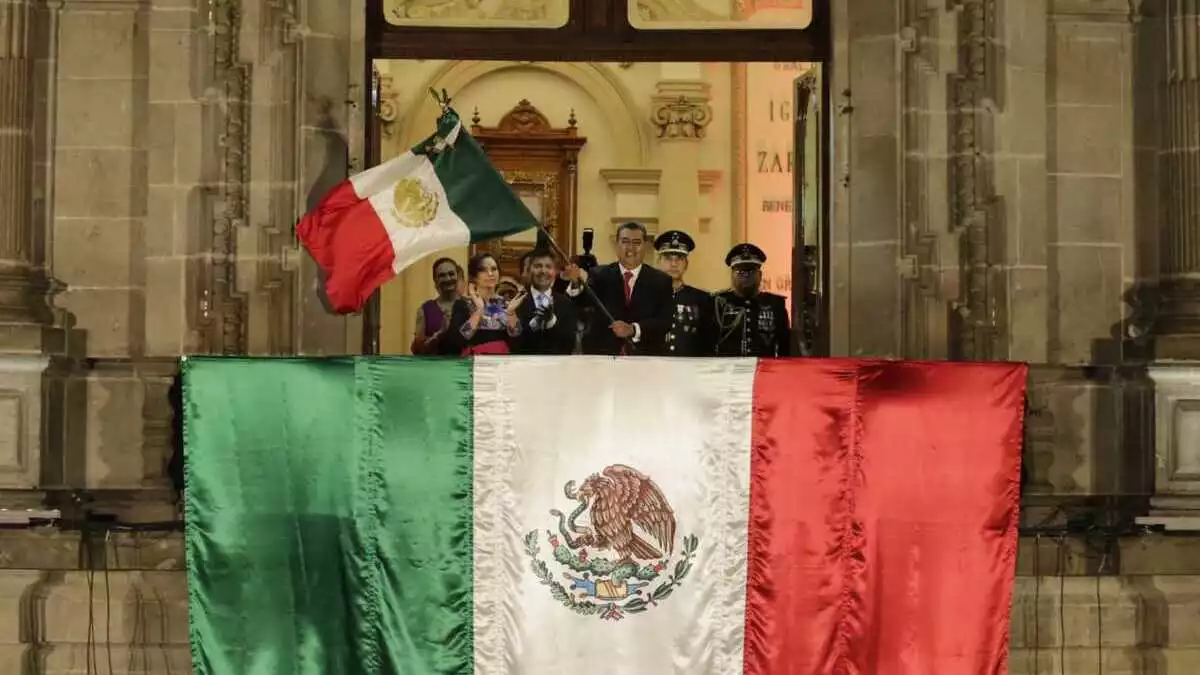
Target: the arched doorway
(597, 51)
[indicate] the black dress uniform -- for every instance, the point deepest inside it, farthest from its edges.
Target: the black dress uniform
(694, 325)
(753, 325)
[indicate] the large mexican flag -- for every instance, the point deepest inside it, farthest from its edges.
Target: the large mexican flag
(546, 516)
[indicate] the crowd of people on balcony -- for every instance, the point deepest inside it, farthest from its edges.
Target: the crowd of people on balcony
(626, 307)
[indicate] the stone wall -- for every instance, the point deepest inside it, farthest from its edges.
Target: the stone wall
(998, 195)
(168, 148)
(1012, 180)
(987, 194)
(990, 164)
(1131, 608)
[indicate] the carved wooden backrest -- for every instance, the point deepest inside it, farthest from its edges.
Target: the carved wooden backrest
(541, 162)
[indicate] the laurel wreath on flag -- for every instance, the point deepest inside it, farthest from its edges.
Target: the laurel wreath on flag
(557, 590)
(665, 589)
(604, 567)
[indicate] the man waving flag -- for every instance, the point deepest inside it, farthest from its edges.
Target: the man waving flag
(442, 193)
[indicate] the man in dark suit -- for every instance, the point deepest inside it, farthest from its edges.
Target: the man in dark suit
(638, 297)
(547, 316)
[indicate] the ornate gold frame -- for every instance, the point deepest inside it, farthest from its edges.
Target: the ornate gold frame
(509, 252)
(546, 180)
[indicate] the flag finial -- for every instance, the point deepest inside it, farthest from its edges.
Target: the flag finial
(442, 99)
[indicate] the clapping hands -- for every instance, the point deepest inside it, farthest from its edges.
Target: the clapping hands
(477, 304)
(511, 309)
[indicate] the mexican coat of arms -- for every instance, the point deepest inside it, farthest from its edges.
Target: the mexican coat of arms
(413, 204)
(625, 560)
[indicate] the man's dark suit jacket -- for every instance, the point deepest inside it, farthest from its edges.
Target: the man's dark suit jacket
(652, 307)
(558, 340)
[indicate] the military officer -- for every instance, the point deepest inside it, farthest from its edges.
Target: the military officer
(750, 322)
(694, 326)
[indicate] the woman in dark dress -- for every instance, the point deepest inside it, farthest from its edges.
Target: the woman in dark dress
(483, 322)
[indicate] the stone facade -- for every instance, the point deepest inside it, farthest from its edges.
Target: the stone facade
(1013, 179)
(1001, 142)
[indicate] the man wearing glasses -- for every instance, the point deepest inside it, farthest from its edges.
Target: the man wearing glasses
(750, 322)
(638, 297)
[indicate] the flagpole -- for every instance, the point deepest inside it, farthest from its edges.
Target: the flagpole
(586, 286)
(371, 151)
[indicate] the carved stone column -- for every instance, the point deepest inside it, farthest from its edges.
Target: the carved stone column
(24, 312)
(1178, 325)
(22, 288)
(681, 114)
(1176, 502)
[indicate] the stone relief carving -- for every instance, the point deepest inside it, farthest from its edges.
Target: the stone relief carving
(478, 12)
(223, 309)
(274, 212)
(923, 78)
(387, 105)
(682, 117)
(434, 9)
(738, 14)
(524, 118)
(247, 272)
(974, 205)
(675, 10)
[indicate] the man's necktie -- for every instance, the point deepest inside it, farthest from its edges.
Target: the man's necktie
(540, 303)
(628, 295)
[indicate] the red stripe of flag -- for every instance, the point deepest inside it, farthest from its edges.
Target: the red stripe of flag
(883, 517)
(349, 242)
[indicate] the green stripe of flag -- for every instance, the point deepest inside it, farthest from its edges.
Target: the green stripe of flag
(477, 192)
(428, 525)
(343, 542)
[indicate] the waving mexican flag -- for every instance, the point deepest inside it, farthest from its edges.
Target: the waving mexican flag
(547, 516)
(443, 192)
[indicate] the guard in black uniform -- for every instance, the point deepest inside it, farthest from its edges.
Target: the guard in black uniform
(751, 322)
(694, 328)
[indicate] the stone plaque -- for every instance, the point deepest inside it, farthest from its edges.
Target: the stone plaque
(1187, 439)
(720, 14)
(477, 13)
(12, 433)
